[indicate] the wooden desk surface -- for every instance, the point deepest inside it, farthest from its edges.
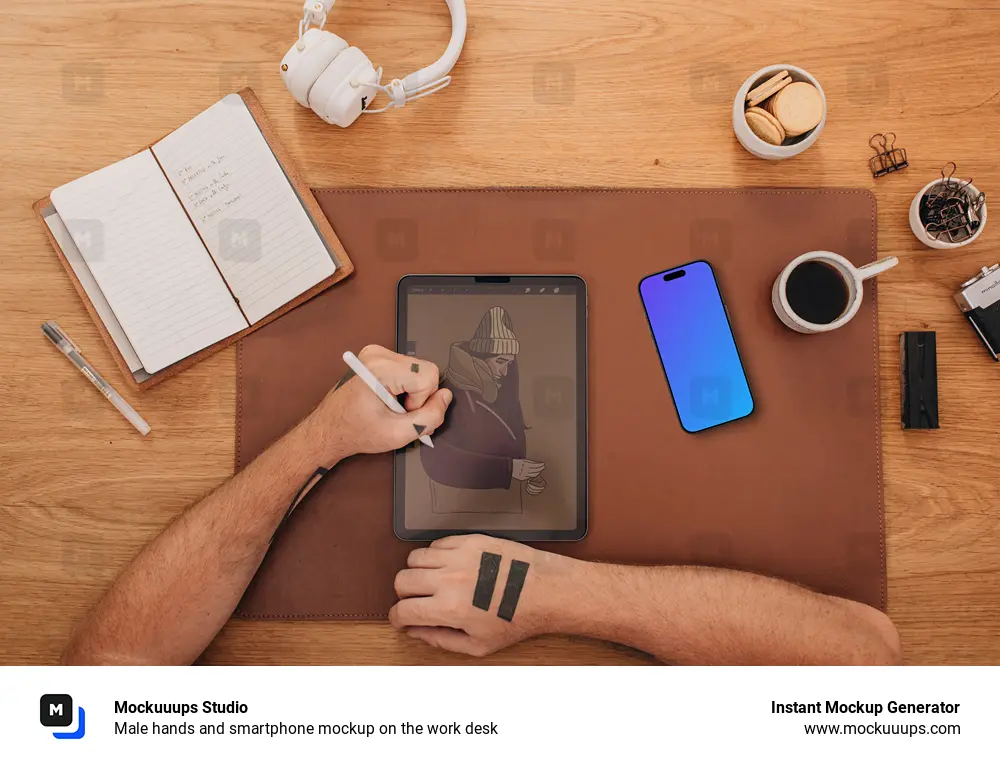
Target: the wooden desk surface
(548, 92)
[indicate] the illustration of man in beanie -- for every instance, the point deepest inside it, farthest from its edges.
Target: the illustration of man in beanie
(478, 462)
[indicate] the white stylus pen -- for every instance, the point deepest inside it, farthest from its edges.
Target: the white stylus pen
(380, 391)
(62, 342)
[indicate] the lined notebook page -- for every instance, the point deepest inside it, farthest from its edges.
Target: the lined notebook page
(93, 290)
(148, 261)
(244, 207)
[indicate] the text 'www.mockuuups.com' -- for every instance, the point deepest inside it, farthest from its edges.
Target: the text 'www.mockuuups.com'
(868, 722)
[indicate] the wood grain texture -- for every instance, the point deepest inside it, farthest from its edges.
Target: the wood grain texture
(548, 92)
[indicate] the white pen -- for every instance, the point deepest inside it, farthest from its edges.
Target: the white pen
(62, 342)
(380, 391)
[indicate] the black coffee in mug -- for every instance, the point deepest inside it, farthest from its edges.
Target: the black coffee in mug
(817, 292)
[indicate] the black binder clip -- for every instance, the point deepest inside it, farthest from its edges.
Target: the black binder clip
(887, 159)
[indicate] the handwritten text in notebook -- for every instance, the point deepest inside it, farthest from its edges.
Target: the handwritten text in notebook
(149, 263)
(208, 189)
(244, 208)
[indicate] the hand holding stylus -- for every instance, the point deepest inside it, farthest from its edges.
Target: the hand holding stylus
(369, 379)
(353, 419)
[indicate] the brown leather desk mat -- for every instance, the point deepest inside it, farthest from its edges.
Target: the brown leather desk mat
(794, 491)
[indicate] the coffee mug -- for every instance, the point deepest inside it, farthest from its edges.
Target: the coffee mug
(821, 291)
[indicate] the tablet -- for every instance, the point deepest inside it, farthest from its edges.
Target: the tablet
(510, 459)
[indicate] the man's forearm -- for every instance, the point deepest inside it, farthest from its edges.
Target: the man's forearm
(170, 602)
(716, 616)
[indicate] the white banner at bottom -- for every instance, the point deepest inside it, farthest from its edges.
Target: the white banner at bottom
(492, 715)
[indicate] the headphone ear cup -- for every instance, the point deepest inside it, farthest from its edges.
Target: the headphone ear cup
(334, 98)
(307, 60)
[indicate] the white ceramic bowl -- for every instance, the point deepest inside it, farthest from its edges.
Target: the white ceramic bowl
(758, 147)
(927, 239)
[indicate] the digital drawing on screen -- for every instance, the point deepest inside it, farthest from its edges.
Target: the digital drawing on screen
(510, 456)
(480, 461)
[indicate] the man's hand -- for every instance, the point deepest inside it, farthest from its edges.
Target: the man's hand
(438, 589)
(352, 419)
(526, 469)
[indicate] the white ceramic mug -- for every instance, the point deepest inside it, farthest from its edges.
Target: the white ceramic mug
(852, 275)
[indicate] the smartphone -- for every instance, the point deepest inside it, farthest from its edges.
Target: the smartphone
(691, 330)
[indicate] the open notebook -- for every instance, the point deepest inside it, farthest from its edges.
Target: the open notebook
(195, 241)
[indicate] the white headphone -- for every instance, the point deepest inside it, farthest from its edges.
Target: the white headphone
(338, 82)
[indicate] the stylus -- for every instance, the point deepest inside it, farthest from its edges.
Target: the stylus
(380, 391)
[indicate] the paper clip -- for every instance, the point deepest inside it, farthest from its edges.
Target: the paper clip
(887, 159)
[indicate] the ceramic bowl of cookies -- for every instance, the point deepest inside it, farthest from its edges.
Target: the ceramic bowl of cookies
(779, 112)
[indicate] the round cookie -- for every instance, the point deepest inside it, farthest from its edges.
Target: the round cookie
(763, 126)
(798, 107)
(769, 104)
(770, 118)
(768, 89)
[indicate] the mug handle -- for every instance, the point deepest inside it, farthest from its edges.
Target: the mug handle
(873, 269)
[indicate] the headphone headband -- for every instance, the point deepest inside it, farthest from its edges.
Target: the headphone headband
(440, 68)
(416, 83)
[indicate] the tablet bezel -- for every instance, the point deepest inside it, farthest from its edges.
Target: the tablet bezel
(399, 469)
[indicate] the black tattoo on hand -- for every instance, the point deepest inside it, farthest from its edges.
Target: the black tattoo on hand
(489, 568)
(419, 428)
(414, 367)
(512, 590)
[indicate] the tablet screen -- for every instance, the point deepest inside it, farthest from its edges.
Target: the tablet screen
(510, 458)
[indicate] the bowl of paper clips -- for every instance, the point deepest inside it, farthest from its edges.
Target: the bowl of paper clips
(948, 212)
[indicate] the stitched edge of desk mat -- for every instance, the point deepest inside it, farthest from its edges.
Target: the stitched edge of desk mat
(873, 222)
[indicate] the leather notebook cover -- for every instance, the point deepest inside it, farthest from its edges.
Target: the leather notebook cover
(793, 491)
(313, 210)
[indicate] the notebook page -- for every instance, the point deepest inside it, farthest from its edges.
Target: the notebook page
(148, 261)
(244, 207)
(90, 286)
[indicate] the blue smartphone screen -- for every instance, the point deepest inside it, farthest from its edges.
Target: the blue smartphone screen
(696, 346)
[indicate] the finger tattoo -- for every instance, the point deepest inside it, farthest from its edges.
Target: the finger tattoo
(419, 428)
(489, 568)
(512, 590)
(414, 367)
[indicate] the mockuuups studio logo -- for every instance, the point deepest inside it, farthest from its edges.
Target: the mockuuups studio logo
(240, 240)
(56, 712)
